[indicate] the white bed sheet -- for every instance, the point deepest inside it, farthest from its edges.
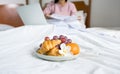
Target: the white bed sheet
(111, 31)
(99, 54)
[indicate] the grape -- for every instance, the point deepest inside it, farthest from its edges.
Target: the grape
(47, 38)
(40, 44)
(65, 37)
(69, 41)
(58, 46)
(61, 36)
(63, 40)
(55, 37)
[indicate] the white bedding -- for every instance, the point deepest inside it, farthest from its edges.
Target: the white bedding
(99, 53)
(111, 31)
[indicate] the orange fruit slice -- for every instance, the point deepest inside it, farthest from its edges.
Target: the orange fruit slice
(74, 48)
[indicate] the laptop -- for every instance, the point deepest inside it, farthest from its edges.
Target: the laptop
(32, 14)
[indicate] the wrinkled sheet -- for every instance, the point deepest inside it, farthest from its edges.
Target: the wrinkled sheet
(111, 31)
(100, 54)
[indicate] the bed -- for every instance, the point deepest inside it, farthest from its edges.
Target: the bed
(99, 53)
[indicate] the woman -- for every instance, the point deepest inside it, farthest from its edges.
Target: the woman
(64, 8)
(60, 7)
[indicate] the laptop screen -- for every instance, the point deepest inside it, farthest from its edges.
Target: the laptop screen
(32, 14)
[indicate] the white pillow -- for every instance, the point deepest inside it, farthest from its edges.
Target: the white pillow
(82, 15)
(4, 27)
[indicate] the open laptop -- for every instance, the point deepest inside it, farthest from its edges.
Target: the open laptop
(32, 14)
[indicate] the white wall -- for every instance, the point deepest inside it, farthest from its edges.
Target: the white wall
(11, 1)
(34, 1)
(105, 13)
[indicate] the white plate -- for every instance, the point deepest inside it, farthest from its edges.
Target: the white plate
(56, 58)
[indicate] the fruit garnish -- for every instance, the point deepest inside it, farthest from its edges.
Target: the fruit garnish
(74, 48)
(40, 44)
(58, 46)
(47, 38)
(61, 36)
(66, 37)
(69, 41)
(55, 37)
(63, 40)
(65, 50)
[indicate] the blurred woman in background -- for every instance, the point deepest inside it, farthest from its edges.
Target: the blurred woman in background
(60, 7)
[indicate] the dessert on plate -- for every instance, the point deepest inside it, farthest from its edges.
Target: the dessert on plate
(58, 46)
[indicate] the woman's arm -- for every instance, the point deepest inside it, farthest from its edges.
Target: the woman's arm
(48, 10)
(73, 9)
(48, 16)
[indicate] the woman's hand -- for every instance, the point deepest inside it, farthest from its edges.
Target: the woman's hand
(79, 18)
(48, 16)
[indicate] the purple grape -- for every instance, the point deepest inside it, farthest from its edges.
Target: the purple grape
(58, 46)
(47, 38)
(65, 37)
(61, 36)
(63, 40)
(40, 44)
(55, 37)
(69, 41)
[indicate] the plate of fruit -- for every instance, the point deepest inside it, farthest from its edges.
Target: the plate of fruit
(58, 48)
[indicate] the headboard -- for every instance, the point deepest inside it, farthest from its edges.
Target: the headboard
(9, 15)
(81, 5)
